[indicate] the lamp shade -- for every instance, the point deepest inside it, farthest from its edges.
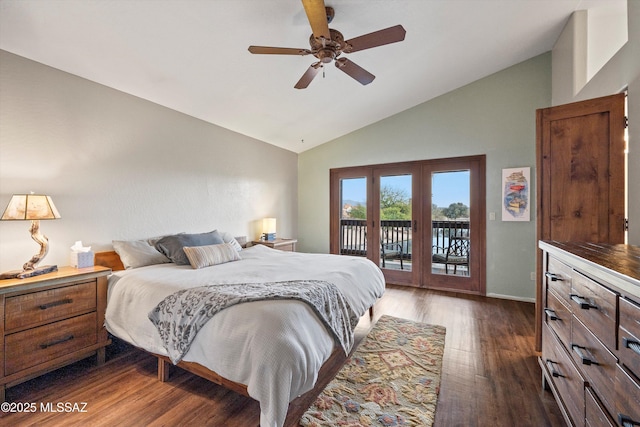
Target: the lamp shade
(30, 207)
(269, 228)
(269, 225)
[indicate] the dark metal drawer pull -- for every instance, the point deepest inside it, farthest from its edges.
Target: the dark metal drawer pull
(60, 341)
(551, 313)
(583, 302)
(584, 354)
(56, 303)
(554, 373)
(553, 277)
(633, 345)
(625, 421)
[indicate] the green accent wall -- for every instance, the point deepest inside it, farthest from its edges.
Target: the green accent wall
(494, 116)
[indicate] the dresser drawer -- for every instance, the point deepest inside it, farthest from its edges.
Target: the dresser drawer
(627, 398)
(595, 306)
(595, 361)
(595, 414)
(34, 346)
(558, 317)
(564, 375)
(559, 278)
(629, 336)
(37, 308)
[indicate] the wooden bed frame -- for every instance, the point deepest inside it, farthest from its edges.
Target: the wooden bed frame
(112, 260)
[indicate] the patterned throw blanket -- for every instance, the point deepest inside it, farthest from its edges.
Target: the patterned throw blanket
(181, 315)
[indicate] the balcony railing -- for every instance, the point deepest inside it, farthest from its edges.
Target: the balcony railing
(443, 230)
(353, 233)
(396, 236)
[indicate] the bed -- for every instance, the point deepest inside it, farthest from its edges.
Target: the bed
(269, 350)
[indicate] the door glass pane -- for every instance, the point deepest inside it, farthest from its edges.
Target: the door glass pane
(353, 216)
(450, 211)
(395, 222)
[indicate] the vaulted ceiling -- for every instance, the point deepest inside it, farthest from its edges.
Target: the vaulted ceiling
(191, 55)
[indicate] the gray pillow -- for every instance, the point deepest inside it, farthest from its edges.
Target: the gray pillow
(171, 246)
(138, 253)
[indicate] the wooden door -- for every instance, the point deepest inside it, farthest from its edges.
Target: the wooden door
(396, 210)
(362, 223)
(471, 276)
(580, 176)
(384, 212)
(351, 211)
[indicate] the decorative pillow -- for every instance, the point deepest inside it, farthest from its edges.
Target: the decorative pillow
(242, 241)
(153, 240)
(205, 256)
(228, 238)
(172, 246)
(138, 253)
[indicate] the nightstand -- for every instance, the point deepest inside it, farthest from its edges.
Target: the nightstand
(281, 244)
(50, 321)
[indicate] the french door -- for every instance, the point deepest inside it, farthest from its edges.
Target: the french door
(374, 213)
(396, 213)
(456, 236)
(387, 213)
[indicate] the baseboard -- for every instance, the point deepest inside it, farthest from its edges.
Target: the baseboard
(511, 297)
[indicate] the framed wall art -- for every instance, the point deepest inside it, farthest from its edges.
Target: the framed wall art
(516, 200)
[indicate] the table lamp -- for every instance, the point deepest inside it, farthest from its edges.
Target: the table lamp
(269, 229)
(32, 207)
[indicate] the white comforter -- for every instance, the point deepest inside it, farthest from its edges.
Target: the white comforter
(276, 348)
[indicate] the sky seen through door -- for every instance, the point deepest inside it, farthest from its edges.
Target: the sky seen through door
(450, 187)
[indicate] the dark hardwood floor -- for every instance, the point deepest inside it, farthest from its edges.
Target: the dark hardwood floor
(490, 376)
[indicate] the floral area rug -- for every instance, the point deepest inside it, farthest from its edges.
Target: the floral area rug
(392, 379)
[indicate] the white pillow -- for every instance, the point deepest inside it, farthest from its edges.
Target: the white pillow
(138, 253)
(206, 256)
(228, 238)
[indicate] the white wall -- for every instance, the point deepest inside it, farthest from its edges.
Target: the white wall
(493, 116)
(607, 32)
(119, 167)
(620, 72)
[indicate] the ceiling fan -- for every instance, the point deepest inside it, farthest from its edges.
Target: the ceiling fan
(328, 44)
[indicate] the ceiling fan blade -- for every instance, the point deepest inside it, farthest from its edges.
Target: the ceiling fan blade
(377, 38)
(317, 16)
(355, 71)
(308, 76)
(268, 50)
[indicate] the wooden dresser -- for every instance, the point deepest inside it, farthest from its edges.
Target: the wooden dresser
(591, 331)
(50, 321)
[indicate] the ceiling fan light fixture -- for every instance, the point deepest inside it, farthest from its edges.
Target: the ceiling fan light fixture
(326, 55)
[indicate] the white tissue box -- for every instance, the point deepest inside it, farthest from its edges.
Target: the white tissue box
(81, 259)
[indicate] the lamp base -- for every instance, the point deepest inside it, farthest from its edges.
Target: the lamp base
(23, 274)
(269, 236)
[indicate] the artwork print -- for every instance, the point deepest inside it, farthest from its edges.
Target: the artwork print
(516, 194)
